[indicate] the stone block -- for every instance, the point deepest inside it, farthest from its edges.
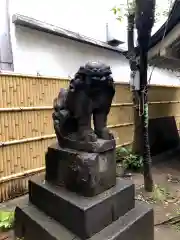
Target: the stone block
(81, 215)
(32, 224)
(86, 173)
(100, 145)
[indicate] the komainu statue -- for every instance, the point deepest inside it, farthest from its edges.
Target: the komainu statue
(90, 93)
(83, 159)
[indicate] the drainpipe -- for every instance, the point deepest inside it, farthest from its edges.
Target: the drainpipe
(6, 55)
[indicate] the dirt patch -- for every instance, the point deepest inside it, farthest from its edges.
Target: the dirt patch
(7, 235)
(165, 199)
(165, 233)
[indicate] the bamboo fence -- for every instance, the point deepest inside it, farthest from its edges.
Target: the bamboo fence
(26, 127)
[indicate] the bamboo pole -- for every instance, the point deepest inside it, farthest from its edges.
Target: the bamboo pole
(37, 108)
(120, 125)
(39, 138)
(30, 172)
(20, 109)
(27, 140)
(4, 73)
(21, 175)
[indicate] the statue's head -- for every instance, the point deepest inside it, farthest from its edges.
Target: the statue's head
(95, 69)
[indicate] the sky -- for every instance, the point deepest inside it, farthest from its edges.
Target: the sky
(83, 16)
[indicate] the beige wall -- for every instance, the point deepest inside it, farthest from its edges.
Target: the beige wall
(26, 127)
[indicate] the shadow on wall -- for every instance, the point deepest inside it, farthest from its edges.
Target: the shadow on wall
(163, 134)
(164, 112)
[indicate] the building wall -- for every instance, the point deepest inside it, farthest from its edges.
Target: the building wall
(35, 52)
(52, 55)
(85, 17)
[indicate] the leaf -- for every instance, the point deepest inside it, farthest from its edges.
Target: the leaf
(1, 224)
(114, 10)
(6, 219)
(7, 225)
(4, 216)
(123, 150)
(119, 18)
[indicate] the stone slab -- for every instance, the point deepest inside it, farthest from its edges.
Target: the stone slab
(32, 224)
(86, 173)
(100, 145)
(83, 216)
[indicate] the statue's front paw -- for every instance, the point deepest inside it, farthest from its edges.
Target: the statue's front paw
(105, 134)
(88, 136)
(93, 137)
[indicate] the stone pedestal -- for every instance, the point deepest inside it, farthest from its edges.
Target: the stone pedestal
(83, 216)
(87, 173)
(33, 224)
(82, 199)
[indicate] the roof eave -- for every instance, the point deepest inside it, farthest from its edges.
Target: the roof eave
(34, 24)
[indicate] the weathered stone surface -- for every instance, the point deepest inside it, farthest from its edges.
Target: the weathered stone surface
(90, 93)
(85, 173)
(83, 216)
(81, 195)
(98, 146)
(84, 159)
(137, 224)
(33, 224)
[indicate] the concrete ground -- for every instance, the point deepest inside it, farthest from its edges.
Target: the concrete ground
(166, 233)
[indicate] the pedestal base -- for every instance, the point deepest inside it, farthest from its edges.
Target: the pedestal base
(88, 174)
(81, 215)
(32, 224)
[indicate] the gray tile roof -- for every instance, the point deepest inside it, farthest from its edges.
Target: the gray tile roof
(49, 28)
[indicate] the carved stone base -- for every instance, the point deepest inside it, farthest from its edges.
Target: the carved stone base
(85, 173)
(83, 216)
(33, 224)
(100, 145)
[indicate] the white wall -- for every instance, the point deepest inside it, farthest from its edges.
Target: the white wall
(83, 16)
(164, 77)
(54, 56)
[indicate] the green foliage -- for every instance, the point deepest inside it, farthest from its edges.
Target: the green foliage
(6, 220)
(160, 194)
(118, 13)
(128, 159)
(121, 152)
(123, 10)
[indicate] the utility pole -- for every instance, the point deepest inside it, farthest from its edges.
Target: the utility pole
(144, 23)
